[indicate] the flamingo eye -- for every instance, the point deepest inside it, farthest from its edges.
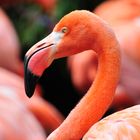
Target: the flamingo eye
(64, 30)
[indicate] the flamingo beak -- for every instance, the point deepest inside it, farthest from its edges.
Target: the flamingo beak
(30, 79)
(37, 59)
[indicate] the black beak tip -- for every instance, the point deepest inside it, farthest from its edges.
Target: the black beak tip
(30, 80)
(30, 83)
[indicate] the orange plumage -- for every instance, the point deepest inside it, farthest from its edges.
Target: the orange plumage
(76, 32)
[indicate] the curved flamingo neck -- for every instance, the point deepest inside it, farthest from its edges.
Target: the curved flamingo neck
(98, 98)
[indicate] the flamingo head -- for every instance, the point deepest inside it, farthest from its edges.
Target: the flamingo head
(71, 35)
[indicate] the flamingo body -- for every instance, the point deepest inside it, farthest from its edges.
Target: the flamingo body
(16, 121)
(10, 47)
(118, 126)
(44, 112)
(11, 73)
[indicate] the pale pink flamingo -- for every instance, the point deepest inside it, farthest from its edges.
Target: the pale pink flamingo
(16, 121)
(11, 73)
(76, 32)
(125, 21)
(49, 117)
(10, 45)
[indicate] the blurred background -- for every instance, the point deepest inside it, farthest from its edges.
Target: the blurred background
(25, 22)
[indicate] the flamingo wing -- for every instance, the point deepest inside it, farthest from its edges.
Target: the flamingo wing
(121, 125)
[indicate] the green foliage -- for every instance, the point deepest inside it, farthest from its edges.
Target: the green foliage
(31, 23)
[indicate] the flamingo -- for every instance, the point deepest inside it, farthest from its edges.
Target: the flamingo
(12, 71)
(16, 121)
(125, 22)
(78, 31)
(48, 116)
(10, 45)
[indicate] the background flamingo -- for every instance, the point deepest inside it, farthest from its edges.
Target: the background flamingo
(11, 73)
(10, 46)
(125, 22)
(16, 121)
(128, 33)
(46, 114)
(72, 36)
